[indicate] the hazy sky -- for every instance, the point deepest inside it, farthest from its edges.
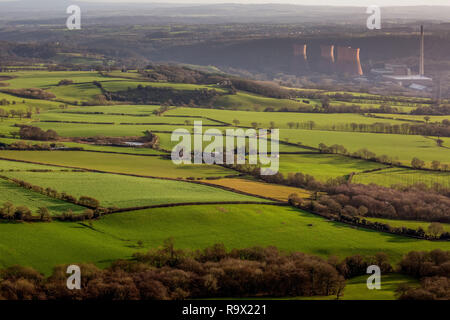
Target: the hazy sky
(301, 2)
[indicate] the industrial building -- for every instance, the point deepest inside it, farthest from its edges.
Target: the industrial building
(401, 74)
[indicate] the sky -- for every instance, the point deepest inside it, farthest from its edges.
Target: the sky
(300, 2)
(354, 3)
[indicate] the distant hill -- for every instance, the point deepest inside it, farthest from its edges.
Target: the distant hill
(215, 13)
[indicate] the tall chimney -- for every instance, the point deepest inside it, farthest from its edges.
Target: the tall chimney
(422, 52)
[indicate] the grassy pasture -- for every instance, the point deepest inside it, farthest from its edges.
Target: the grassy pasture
(128, 75)
(127, 109)
(239, 226)
(115, 236)
(91, 147)
(24, 103)
(402, 147)
(6, 165)
(8, 125)
(273, 191)
(324, 166)
(356, 288)
(247, 101)
(392, 176)
(407, 223)
(106, 130)
(22, 197)
(124, 85)
(167, 144)
(416, 117)
(281, 119)
(44, 245)
(119, 163)
(358, 95)
(76, 92)
(125, 191)
(118, 119)
(45, 79)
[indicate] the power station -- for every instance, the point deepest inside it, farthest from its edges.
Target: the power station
(347, 62)
(401, 74)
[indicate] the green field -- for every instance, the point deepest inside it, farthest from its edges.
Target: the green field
(417, 117)
(118, 119)
(118, 163)
(17, 103)
(281, 119)
(324, 166)
(6, 165)
(115, 236)
(356, 288)
(44, 245)
(407, 223)
(401, 176)
(247, 101)
(240, 226)
(91, 147)
(105, 130)
(124, 85)
(22, 197)
(125, 191)
(402, 147)
(8, 125)
(76, 92)
(167, 144)
(45, 79)
(126, 109)
(130, 74)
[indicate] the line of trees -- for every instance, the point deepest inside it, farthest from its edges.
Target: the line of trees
(19, 113)
(22, 213)
(354, 215)
(11, 212)
(168, 273)
(23, 145)
(366, 154)
(32, 93)
(270, 90)
(347, 97)
(411, 203)
(339, 200)
(431, 129)
(442, 110)
(95, 210)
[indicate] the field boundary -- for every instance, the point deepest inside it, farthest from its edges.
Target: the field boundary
(153, 177)
(183, 204)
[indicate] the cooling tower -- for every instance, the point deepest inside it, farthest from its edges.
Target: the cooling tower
(326, 61)
(299, 59)
(348, 61)
(327, 53)
(300, 50)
